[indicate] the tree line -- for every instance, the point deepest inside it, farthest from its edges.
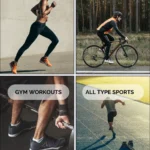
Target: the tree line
(91, 13)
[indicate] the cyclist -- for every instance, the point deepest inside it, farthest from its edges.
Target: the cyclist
(41, 10)
(105, 28)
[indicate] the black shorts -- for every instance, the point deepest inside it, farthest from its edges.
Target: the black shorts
(111, 116)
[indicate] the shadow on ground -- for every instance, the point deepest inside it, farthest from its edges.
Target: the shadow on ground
(99, 140)
(21, 71)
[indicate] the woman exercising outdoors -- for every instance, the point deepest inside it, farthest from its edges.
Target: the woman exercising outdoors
(41, 10)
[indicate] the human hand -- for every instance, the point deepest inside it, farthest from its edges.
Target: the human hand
(59, 121)
(53, 4)
(123, 103)
(126, 38)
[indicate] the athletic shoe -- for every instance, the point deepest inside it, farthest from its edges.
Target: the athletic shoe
(109, 61)
(13, 66)
(45, 61)
(47, 144)
(124, 146)
(130, 145)
(14, 131)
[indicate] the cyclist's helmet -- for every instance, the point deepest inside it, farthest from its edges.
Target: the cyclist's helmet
(117, 13)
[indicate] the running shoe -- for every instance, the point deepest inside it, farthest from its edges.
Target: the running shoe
(45, 61)
(14, 131)
(109, 61)
(130, 145)
(13, 66)
(124, 146)
(48, 143)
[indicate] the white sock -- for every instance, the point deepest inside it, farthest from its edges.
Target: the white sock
(38, 140)
(15, 125)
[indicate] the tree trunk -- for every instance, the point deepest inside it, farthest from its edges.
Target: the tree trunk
(130, 15)
(77, 22)
(105, 9)
(94, 17)
(82, 16)
(111, 8)
(90, 17)
(137, 16)
(148, 4)
(125, 15)
(114, 6)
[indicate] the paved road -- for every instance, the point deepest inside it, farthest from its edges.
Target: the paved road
(111, 68)
(62, 63)
(131, 123)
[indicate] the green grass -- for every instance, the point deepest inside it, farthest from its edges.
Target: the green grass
(140, 41)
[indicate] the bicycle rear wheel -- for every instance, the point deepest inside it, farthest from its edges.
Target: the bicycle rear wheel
(93, 56)
(126, 56)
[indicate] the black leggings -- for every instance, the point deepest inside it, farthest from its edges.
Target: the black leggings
(36, 29)
(106, 38)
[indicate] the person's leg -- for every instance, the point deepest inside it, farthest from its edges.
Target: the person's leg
(108, 45)
(17, 106)
(105, 39)
(44, 113)
(110, 120)
(40, 140)
(111, 116)
(33, 34)
(51, 36)
(110, 37)
(17, 125)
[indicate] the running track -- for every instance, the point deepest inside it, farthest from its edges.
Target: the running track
(131, 123)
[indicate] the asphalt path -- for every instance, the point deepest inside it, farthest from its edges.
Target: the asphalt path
(112, 68)
(62, 63)
(131, 123)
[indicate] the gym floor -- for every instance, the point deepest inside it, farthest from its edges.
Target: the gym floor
(22, 142)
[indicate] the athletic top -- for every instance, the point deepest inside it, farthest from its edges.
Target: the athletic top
(108, 25)
(110, 105)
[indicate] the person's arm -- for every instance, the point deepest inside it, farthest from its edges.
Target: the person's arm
(103, 104)
(44, 6)
(119, 101)
(34, 9)
(63, 112)
(116, 29)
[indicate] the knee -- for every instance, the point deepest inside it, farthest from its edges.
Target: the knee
(55, 41)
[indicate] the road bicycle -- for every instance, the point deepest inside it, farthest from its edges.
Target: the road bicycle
(126, 55)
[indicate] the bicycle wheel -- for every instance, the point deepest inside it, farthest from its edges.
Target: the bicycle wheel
(93, 56)
(126, 56)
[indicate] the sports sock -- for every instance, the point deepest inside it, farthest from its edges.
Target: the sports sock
(15, 125)
(38, 140)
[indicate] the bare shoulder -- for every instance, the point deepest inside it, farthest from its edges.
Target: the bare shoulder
(44, 2)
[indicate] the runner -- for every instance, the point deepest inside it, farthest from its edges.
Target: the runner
(111, 110)
(41, 10)
(105, 28)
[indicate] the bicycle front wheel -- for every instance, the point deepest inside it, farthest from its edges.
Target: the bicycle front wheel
(93, 56)
(126, 56)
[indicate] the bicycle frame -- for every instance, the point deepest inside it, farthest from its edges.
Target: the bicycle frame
(120, 44)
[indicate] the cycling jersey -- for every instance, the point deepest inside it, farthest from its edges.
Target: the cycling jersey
(108, 25)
